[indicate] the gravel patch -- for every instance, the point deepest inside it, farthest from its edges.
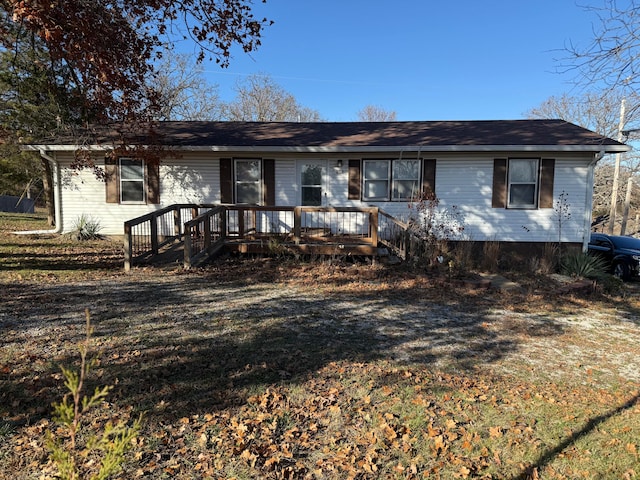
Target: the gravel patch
(406, 327)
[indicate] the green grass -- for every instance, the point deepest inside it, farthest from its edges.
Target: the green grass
(51, 256)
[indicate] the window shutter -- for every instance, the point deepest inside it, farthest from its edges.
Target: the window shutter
(499, 199)
(153, 181)
(269, 181)
(111, 180)
(355, 180)
(429, 176)
(226, 180)
(547, 172)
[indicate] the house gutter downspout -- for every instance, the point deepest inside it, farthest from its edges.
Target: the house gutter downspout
(57, 193)
(589, 195)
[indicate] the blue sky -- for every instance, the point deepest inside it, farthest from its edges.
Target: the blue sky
(423, 59)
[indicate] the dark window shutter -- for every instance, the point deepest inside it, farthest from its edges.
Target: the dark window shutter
(547, 173)
(153, 181)
(429, 176)
(355, 180)
(269, 181)
(226, 180)
(499, 199)
(111, 179)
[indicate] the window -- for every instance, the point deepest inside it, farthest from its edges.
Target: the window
(390, 179)
(312, 174)
(406, 176)
(523, 183)
(132, 180)
(248, 181)
(376, 179)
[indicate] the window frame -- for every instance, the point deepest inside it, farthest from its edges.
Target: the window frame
(142, 181)
(366, 181)
(394, 180)
(390, 179)
(259, 181)
(536, 184)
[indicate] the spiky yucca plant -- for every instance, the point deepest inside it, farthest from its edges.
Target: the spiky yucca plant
(583, 265)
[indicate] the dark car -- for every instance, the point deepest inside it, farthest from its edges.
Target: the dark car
(621, 253)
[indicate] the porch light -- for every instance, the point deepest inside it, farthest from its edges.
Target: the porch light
(340, 163)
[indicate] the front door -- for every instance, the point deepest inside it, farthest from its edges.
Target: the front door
(312, 174)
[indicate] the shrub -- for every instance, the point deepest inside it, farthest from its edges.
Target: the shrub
(610, 284)
(435, 226)
(85, 227)
(550, 258)
(490, 256)
(463, 256)
(583, 265)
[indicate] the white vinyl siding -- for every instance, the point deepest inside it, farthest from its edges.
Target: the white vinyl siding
(463, 180)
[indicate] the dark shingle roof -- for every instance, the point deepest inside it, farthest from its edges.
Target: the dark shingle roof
(360, 134)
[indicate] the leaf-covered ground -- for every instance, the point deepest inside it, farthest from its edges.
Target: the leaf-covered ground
(270, 369)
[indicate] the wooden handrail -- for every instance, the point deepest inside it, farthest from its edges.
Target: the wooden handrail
(400, 234)
(204, 232)
(152, 239)
(191, 254)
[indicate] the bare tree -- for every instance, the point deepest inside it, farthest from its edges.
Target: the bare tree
(596, 111)
(599, 111)
(612, 58)
(260, 99)
(374, 113)
(183, 92)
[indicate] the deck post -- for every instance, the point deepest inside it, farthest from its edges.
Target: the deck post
(223, 223)
(187, 247)
(254, 224)
(207, 231)
(297, 224)
(241, 222)
(176, 221)
(128, 247)
(194, 213)
(154, 234)
(373, 226)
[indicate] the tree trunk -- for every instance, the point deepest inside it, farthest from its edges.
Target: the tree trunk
(47, 184)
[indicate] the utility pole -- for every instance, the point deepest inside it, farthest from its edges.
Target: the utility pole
(616, 172)
(627, 203)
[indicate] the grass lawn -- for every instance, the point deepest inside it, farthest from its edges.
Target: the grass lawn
(262, 368)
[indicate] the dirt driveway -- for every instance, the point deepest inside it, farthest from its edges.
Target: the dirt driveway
(257, 319)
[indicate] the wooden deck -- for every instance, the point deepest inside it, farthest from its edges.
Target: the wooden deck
(191, 234)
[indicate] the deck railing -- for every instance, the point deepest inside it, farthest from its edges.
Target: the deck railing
(204, 235)
(145, 235)
(394, 234)
(204, 228)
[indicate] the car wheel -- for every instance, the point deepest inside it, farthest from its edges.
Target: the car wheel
(621, 270)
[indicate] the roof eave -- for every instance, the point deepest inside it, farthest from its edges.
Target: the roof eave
(356, 149)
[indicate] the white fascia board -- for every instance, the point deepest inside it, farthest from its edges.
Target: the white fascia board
(350, 149)
(65, 148)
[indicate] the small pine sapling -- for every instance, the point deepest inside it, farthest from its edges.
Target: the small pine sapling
(75, 459)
